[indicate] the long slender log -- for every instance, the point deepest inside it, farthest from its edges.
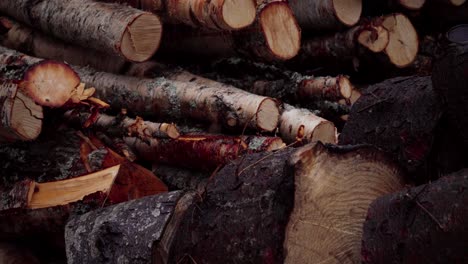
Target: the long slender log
(217, 15)
(48, 83)
(326, 14)
(384, 117)
(20, 117)
(119, 126)
(425, 224)
(274, 36)
(205, 152)
(129, 32)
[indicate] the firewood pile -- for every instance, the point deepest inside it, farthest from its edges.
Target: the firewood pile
(233, 131)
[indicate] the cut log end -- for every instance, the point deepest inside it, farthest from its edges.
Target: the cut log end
(325, 132)
(403, 40)
(142, 38)
(375, 39)
(282, 33)
(334, 188)
(26, 117)
(50, 83)
(238, 13)
(457, 2)
(345, 86)
(412, 4)
(268, 115)
(348, 11)
(458, 34)
(171, 130)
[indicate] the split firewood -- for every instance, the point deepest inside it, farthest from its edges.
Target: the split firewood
(217, 15)
(31, 41)
(302, 125)
(123, 126)
(399, 115)
(125, 31)
(425, 224)
(61, 173)
(204, 152)
(20, 117)
(48, 83)
(274, 36)
(177, 178)
(326, 14)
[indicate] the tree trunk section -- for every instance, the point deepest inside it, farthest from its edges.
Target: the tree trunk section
(425, 224)
(125, 31)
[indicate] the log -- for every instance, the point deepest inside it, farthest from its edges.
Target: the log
(449, 79)
(217, 15)
(123, 233)
(20, 117)
(387, 6)
(48, 83)
(399, 115)
(14, 254)
(451, 2)
(269, 38)
(121, 30)
(301, 125)
(333, 189)
(203, 152)
(119, 126)
(425, 224)
(196, 98)
(177, 178)
(326, 14)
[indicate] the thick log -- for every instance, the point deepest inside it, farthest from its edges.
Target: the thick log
(129, 32)
(121, 125)
(20, 117)
(399, 115)
(450, 79)
(123, 233)
(326, 14)
(425, 224)
(48, 83)
(217, 15)
(269, 38)
(205, 152)
(177, 178)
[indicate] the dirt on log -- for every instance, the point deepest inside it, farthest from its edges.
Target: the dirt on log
(425, 224)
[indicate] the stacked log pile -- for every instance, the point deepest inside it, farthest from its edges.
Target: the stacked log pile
(233, 131)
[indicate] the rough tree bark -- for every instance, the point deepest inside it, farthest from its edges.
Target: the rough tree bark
(399, 115)
(178, 178)
(425, 224)
(217, 15)
(205, 152)
(326, 14)
(129, 32)
(274, 36)
(20, 117)
(48, 83)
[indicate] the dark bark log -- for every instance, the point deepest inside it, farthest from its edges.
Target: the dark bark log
(425, 224)
(111, 28)
(177, 178)
(399, 115)
(122, 233)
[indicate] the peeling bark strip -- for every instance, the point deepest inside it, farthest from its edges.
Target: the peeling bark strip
(302, 125)
(326, 14)
(205, 152)
(333, 189)
(48, 83)
(20, 117)
(425, 224)
(212, 102)
(120, 126)
(122, 233)
(129, 32)
(31, 41)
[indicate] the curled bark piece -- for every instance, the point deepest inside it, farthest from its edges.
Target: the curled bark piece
(424, 224)
(326, 14)
(333, 189)
(302, 125)
(129, 32)
(125, 126)
(204, 152)
(48, 83)
(20, 117)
